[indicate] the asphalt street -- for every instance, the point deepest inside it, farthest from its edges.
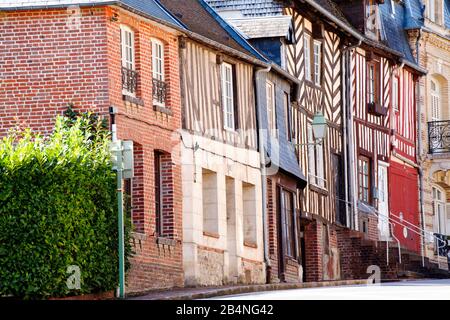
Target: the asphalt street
(407, 290)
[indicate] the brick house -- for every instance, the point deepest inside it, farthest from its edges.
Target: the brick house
(101, 57)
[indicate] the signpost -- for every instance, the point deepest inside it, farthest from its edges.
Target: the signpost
(122, 158)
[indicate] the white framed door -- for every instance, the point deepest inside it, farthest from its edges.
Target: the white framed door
(383, 201)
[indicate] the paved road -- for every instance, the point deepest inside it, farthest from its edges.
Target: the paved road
(410, 290)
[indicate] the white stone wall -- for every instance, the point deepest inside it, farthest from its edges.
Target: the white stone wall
(216, 258)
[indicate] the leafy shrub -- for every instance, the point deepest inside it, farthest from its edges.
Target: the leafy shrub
(58, 207)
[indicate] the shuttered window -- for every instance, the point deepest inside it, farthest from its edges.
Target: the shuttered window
(435, 102)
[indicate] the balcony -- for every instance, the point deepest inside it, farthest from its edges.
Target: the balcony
(159, 92)
(129, 81)
(439, 136)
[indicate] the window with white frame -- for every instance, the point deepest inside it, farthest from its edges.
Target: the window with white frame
(432, 10)
(317, 62)
(271, 109)
(392, 7)
(316, 160)
(395, 93)
(307, 54)
(158, 60)
(440, 217)
(228, 96)
(128, 51)
(288, 116)
(435, 101)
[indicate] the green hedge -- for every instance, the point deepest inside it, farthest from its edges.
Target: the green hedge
(57, 209)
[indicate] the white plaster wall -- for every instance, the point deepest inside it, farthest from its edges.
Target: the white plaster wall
(227, 161)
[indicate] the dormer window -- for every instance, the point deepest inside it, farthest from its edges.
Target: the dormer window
(435, 11)
(432, 10)
(372, 21)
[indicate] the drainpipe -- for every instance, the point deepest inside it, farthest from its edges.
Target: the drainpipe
(348, 112)
(258, 73)
(419, 152)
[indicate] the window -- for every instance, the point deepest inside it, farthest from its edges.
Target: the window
(316, 161)
(393, 7)
(287, 114)
(432, 10)
(435, 101)
(249, 222)
(287, 206)
(373, 72)
(364, 179)
(164, 217)
(395, 93)
(159, 87)
(228, 96)
(129, 75)
(307, 53)
(210, 203)
(439, 211)
(158, 60)
(158, 195)
(317, 62)
(372, 19)
(271, 109)
(128, 51)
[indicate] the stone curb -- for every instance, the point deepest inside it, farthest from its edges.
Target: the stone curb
(248, 289)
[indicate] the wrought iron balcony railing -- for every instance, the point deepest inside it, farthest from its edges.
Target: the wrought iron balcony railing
(129, 80)
(159, 91)
(439, 136)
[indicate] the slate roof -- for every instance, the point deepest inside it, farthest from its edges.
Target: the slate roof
(149, 8)
(266, 27)
(392, 29)
(200, 18)
(253, 8)
(413, 14)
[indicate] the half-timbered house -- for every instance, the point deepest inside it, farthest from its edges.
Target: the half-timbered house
(221, 176)
(310, 50)
(383, 93)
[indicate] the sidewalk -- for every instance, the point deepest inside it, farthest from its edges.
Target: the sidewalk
(209, 292)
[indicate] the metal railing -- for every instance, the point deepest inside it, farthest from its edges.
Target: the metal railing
(439, 136)
(159, 89)
(129, 80)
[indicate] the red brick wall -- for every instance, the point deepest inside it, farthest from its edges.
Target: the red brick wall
(45, 65)
(157, 262)
(313, 251)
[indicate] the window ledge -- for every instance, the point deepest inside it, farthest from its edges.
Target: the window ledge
(211, 234)
(138, 236)
(133, 100)
(162, 109)
(250, 244)
(166, 241)
(318, 189)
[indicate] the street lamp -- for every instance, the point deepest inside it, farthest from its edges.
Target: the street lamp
(319, 127)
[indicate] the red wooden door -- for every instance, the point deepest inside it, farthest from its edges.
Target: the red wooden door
(404, 205)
